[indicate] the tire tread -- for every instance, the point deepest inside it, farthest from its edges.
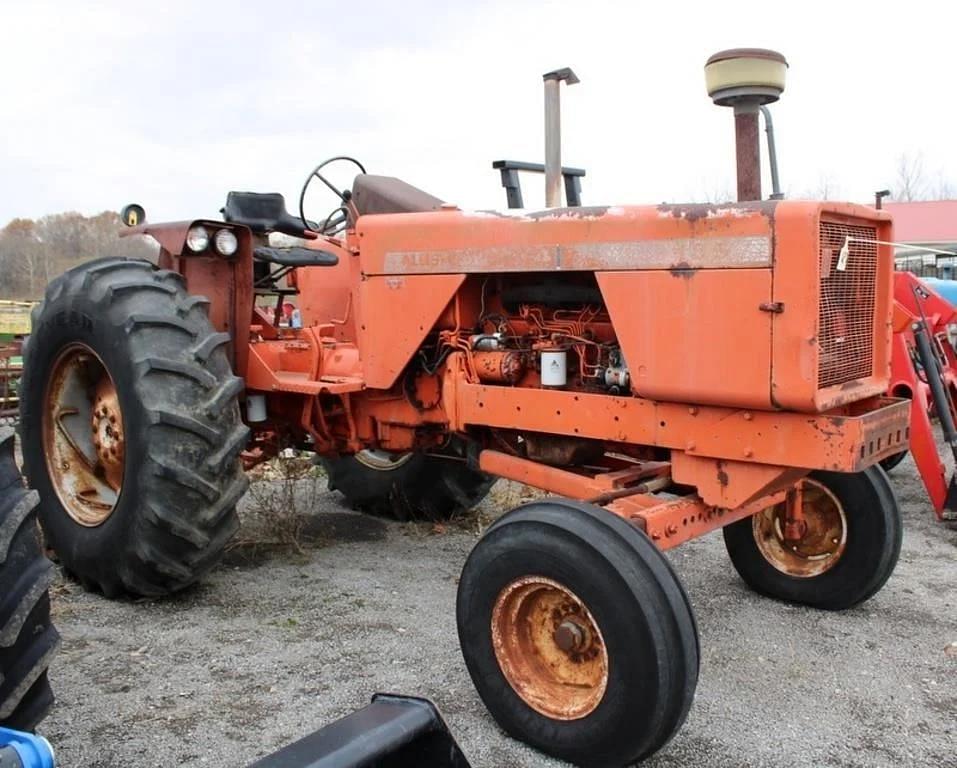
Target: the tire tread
(28, 640)
(189, 478)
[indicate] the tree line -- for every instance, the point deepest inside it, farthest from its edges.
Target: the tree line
(33, 252)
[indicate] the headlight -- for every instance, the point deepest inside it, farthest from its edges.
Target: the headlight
(226, 242)
(197, 239)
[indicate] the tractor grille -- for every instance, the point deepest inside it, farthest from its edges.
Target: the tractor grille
(846, 315)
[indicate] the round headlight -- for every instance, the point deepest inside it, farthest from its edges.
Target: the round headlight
(226, 242)
(197, 239)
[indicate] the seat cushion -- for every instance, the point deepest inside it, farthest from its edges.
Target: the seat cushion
(386, 194)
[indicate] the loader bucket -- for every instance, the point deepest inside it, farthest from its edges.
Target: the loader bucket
(392, 732)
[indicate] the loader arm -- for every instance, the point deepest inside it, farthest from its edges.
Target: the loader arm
(921, 318)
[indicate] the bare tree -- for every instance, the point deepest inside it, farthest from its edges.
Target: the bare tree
(713, 192)
(825, 189)
(910, 184)
(943, 188)
(34, 252)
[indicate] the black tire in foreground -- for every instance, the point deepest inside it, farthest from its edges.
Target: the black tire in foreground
(848, 552)
(577, 634)
(411, 486)
(28, 640)
(131, 428)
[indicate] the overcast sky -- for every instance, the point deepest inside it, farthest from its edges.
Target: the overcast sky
(172, 104)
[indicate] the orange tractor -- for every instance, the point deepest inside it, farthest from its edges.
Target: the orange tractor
(433, 349)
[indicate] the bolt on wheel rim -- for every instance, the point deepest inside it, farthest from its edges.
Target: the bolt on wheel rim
(822, 542)
(83, 436)
(549, 648)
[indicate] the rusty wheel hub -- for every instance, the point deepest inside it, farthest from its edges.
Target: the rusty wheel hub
(549, 648)
(83, 435)
(805, 535)
(108, 438)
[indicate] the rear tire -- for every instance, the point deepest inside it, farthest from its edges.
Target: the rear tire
(872, 532)
(409, 486)
(179, 483)
(28, 640)
(550, 562)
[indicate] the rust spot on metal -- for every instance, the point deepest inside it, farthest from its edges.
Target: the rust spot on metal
(580, 212)
(682, 269)
(499, 366)
(107, 429)
(83, 435)
(549, 648)
(722, 475)
(696, 211)
(806, 534)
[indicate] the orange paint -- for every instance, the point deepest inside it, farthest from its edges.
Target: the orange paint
(744, 341)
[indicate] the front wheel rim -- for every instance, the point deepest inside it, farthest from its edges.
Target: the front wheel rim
(84, 438)
(822, 543)
(549, 648)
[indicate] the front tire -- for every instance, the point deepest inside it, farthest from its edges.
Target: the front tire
(892, 461)
(577, 634)
(847, 553)
(131, 428)
(28, 640)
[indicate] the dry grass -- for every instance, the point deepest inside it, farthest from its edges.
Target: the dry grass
(504, 496)
(282, 493)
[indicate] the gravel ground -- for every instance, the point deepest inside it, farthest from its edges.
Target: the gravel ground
(276, 643)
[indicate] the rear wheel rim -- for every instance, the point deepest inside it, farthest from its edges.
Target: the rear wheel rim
(84, 438)
(549, 648)
(382, 461)
(824, 539)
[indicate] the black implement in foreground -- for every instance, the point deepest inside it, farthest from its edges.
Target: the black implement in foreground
(392, 732)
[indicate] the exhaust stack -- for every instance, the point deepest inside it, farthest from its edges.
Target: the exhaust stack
(553, 133)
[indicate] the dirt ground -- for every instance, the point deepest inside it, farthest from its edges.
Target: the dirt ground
(277, 642)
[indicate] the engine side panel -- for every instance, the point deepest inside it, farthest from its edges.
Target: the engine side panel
(396, 313)
(695, 337)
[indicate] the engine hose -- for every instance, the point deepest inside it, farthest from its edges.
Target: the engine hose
(24, 750)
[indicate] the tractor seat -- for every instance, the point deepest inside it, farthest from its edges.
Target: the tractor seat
(263, 212)
(387, 194)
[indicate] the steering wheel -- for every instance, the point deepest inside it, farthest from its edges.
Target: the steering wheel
(336, 220)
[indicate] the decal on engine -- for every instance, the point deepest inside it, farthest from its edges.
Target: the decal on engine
(687, 252)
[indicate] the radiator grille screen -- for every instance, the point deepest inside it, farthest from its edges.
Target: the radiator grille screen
(846, 315)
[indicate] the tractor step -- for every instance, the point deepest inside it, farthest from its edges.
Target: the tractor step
(294, 381)
(391, 732)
